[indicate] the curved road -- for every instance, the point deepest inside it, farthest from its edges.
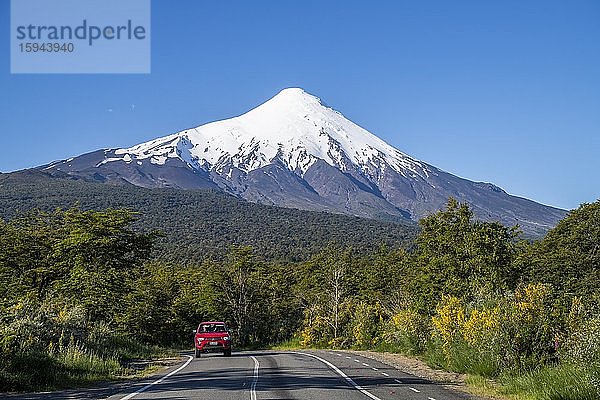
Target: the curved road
(269, 375)
(305, 375)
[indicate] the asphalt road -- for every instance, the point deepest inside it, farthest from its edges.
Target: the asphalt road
(274, 375)
(306, 375)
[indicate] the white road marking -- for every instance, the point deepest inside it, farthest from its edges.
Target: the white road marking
(348, 357)
(358, 361)
(384, 374)
(342, 374)
(397, 381)
(375, 369)
(156, 382)
(414, 390)
(255, 381)
(366, 365)
(430, 398)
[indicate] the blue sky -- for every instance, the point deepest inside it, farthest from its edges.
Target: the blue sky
(506, 92)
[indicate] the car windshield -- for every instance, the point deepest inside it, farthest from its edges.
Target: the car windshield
(212, 328)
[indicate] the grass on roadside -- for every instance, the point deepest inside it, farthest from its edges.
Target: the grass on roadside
(291, 344)
(75, 366)
(562, 382)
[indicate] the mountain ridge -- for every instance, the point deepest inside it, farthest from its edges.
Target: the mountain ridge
(295, 151)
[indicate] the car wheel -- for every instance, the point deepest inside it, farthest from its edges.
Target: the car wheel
(227, 352)
(197, 353)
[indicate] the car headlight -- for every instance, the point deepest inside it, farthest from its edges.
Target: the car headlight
(226, 338)
(201, 339)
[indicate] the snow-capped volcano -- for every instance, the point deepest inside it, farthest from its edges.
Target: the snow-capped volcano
(294, 151)
(293, 127)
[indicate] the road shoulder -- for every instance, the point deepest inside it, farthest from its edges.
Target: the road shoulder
(450, 380)
(102, 390)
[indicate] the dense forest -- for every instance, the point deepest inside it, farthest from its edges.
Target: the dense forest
(84, 292)
(198, 224)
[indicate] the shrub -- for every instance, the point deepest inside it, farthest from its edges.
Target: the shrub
(316, 331)
(531, 328)
(583, 345)
(514, 333)
(407, 331)
(366, 322)
(448, 322)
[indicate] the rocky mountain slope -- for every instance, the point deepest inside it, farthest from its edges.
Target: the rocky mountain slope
(295, 151)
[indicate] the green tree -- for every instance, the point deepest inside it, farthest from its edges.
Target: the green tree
(457, 255)
(83, 257)
(148, 312)
(280, 313)
(382, 276)
(569, 256)
(325, 290)
(236, 286)
(102, 255)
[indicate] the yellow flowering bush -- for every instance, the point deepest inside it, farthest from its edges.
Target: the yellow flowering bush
(316, 328)
(449, 320)
(407, 330)
(531, 326)
(514, 331)
(482, 326)
(577, 314)
(530, 301)
(314, 333)
(365, 324)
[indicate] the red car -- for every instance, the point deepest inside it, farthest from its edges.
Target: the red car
(212, 337)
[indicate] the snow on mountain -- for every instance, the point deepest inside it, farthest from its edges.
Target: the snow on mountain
(294, 127)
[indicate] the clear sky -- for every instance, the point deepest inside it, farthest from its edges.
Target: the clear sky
(499, 91)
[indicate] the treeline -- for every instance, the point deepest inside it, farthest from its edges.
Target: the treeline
(469, 296)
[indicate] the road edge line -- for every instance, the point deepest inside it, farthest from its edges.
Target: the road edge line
(340, 373)
(156, 382)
